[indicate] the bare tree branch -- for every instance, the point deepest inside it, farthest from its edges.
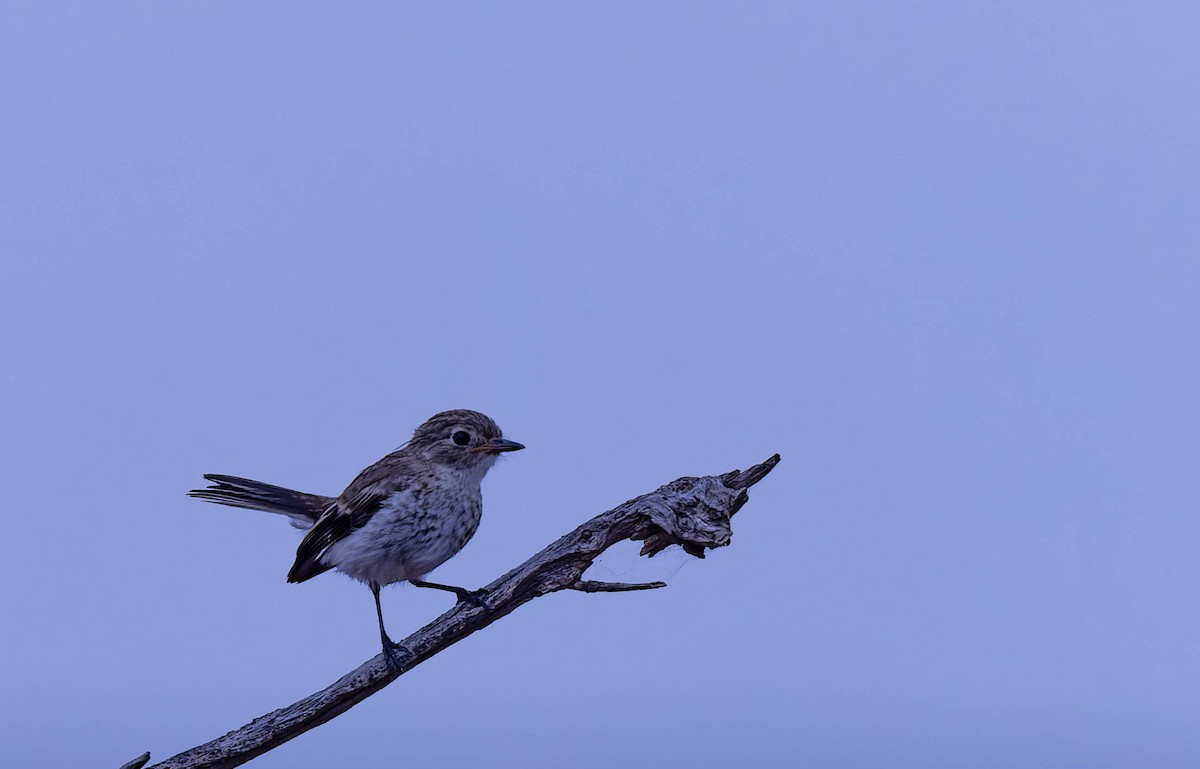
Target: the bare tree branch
(591, 586)
(691, 512)
(137, 763)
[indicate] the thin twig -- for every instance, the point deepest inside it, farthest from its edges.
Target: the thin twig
(138, 762)
(591, 586)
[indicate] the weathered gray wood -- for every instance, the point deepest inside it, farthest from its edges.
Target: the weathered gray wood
(138, 762)
(691, 512)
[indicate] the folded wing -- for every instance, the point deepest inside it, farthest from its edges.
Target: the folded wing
(338, 521)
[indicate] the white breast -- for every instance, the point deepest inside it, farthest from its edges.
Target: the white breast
(414, 532)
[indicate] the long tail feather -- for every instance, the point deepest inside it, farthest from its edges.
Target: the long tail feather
(303, 509)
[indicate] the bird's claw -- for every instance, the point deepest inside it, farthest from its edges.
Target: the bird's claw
(477, 598)
(395, 653)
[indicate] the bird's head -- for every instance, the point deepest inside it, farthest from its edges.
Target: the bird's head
(461, 439)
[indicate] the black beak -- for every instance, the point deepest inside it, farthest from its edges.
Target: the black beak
(500, 445)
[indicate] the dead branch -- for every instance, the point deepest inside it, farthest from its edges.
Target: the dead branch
(693, 513)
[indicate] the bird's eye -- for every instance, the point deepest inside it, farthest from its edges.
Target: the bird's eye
(461, 438)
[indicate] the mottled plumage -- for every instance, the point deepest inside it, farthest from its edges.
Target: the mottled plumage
(401, 518)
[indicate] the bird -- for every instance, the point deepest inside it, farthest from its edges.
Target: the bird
(399, 519)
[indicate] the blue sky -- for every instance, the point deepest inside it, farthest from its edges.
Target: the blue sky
(940, 256)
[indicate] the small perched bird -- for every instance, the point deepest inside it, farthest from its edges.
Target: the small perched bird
(399, 519)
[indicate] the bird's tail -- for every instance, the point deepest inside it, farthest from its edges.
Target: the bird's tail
(303, 509)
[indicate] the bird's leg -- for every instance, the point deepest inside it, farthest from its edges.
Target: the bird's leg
(473, 597)
(391, 649)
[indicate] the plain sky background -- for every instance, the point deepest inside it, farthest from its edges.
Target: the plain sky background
(944, 257)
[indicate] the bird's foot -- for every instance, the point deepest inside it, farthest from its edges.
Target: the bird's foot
(474, 597)
(477, 598)
(395, 653)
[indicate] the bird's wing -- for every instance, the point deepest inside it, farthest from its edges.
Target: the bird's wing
(341, 518)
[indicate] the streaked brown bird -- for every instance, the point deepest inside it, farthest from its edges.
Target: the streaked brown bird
(399, 519)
